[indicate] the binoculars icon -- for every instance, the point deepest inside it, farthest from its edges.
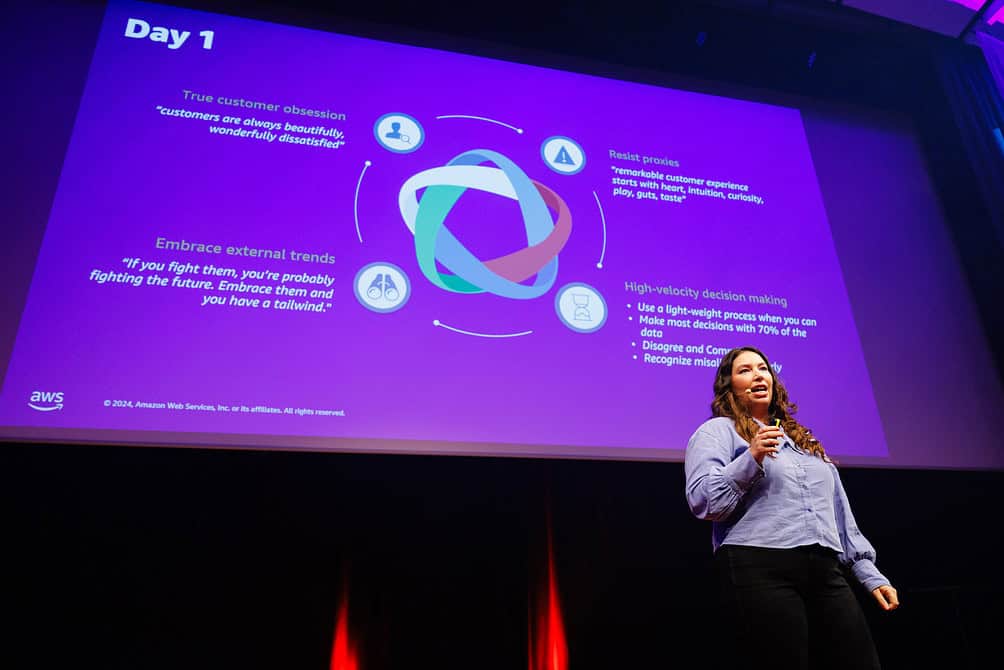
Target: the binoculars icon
(384, 287)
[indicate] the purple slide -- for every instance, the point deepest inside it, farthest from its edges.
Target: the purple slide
(263, 230)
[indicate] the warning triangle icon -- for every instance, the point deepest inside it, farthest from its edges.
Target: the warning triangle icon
(563, 158)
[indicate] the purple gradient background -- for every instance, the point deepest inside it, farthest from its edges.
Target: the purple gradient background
(929, 359)
(131, 175)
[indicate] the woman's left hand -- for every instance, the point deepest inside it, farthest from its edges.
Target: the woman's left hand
(886, 597)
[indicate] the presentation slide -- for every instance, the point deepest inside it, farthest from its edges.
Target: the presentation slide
(269, 230)
(281, 236)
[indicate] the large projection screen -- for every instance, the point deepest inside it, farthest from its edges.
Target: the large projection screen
(270, 236)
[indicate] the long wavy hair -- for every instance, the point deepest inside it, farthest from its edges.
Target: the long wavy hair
(728, 405)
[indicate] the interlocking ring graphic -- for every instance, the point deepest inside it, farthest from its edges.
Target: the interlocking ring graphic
(501, 276)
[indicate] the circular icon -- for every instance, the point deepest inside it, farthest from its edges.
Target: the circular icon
(399, 133)
(563, 155)
(581, 307)
(382, 287)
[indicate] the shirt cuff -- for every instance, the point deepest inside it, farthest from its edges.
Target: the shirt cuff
(742, 473)
(869, 576)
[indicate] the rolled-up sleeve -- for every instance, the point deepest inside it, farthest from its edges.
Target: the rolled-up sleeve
(858, 554)
(716, 483)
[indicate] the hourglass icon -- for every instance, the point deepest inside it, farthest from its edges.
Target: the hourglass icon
(581, 307)
(581, 302)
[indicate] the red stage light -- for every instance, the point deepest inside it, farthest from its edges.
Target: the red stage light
(548, 647)
(343, 651)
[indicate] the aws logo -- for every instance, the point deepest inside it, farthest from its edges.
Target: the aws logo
(46, 401)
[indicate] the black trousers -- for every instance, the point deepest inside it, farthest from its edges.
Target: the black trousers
(791, 609)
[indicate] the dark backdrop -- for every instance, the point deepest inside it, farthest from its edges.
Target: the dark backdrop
(131, 557)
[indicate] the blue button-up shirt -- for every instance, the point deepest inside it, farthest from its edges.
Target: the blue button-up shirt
(792, 500)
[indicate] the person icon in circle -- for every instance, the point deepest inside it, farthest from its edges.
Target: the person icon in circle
(396, 134)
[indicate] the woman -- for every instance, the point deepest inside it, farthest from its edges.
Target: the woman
(782, 528)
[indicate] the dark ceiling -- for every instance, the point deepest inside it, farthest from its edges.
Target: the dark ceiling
(953, 18)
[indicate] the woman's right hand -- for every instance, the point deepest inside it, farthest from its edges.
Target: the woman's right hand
(765, 443)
